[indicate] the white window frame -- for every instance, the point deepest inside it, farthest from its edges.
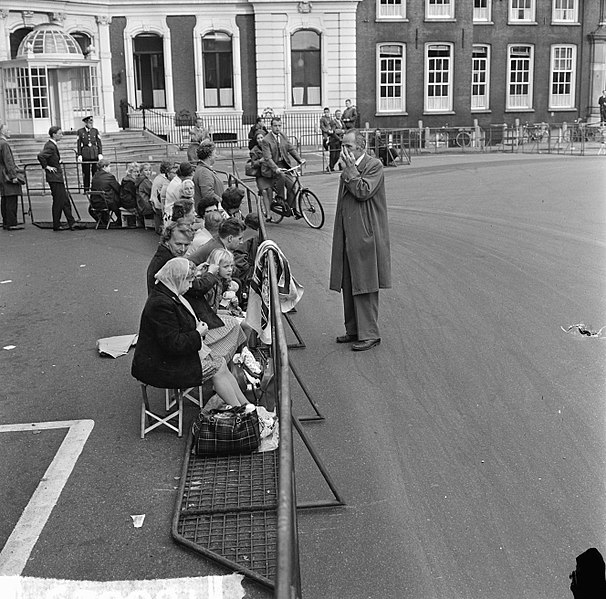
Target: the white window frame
(522, 14)
(391, 10)
(563, 101)
(439, 10)
(516, 102)
(480, 102)
(562, 13)
(482, 14)
(393, 104)
(432, 103)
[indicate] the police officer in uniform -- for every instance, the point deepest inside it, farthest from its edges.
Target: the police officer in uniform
(89, 150)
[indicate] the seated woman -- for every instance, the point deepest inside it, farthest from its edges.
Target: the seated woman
(264, 184)
(171, 352)
(128, 193)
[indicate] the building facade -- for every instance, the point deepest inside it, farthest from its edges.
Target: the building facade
(452, 61)
(439, 62)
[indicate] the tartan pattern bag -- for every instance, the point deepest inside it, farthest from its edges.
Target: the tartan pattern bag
(226, 432)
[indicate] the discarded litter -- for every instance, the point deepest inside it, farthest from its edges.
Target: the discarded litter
(116, 346)
(138, 520)
(584, 330)
(7, 281)
(9, 347)
(82, 265)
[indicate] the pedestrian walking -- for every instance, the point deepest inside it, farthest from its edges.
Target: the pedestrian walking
(89, 150)
(50, 161)
(361, 260)
(602, 103)
(11, 179)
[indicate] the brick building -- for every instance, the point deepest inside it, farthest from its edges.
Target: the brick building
(453, 61)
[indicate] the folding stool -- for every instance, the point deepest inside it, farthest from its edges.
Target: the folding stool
(159, 419)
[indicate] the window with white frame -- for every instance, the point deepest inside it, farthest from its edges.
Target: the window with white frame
(562, 76)
(391, 67)
(481, 11)
(438, 77)
(519, 77)
(391, 9)
(306, 67)
(217, 56)
(521, 11)
(439, 9)
(480, 78)
(565, 11)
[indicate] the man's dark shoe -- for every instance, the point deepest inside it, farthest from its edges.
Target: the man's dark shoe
(366, 344)
(298, 215)
(347, 338)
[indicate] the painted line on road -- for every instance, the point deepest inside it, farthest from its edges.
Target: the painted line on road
(24, 536)
(207, 587)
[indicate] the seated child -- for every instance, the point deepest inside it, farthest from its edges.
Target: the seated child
(224, 259)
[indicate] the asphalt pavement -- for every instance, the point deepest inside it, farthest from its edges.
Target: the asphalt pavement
(468, 446)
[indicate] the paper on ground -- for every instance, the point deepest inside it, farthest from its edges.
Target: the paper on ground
(116, 346)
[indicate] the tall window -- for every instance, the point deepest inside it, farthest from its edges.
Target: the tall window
(439, 9)
(438, 77)
(217, 59)
(521, 11)
(565, 11)
(306, 68)
(149, 70)
(480, 78)
(481, 11)
(391, 9)
(519, 78)
(563, 69)
(390, 74)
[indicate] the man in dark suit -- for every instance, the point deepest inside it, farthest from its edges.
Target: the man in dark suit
(105, 181)
(277, 151)
(350, 115)
(325, 127)
(89, 150)
(50, 160)
(361, 260)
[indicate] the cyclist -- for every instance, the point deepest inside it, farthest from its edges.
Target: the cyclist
(277, 152)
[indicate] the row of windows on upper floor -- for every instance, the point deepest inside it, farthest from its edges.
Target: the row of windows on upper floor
(438, 78)
(519, 11)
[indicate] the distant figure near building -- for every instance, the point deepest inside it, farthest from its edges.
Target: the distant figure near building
(325, 127)
(11, 179)
(197, 134)
(602, 103)
(89, 150)
(350, 115)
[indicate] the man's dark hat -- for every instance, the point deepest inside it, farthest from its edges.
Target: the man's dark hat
(87, 118)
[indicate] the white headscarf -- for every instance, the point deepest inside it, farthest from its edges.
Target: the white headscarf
(174, 275)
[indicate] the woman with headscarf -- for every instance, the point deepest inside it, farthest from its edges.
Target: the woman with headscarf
(170, 351)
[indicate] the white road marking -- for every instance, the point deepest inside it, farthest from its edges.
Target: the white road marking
(20, 544)
(208, 587)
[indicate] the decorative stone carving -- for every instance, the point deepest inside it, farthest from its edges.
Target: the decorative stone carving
(103, 20)
(3, 13)
(57, 17)
(304, 7)
(28, 17)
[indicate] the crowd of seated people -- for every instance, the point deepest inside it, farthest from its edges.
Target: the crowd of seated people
(189, 331)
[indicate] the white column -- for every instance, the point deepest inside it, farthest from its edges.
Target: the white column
(5, 40)
(106, 91)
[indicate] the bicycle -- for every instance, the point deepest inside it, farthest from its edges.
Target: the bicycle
(306, 202)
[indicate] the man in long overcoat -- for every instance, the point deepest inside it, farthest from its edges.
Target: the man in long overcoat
(361, 259)
(10, 182)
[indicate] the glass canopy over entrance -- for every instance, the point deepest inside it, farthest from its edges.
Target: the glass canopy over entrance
(50, 82)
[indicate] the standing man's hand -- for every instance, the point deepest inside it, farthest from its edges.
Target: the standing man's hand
(347, 158)
(51, 169)
(79, 158)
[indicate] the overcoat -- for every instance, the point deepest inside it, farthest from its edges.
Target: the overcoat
(89, 144)
(361, 229)
(196, 296)
(166, 354)
(8, 170)
(207, 184)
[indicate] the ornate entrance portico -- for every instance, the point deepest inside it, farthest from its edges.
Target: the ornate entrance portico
(51, 82)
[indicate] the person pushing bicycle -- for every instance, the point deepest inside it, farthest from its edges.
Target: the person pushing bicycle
(277, 154)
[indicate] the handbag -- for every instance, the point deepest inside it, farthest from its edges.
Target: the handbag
(226, 432)
(250, 170)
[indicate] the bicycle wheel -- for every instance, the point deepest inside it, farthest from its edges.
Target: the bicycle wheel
(463, 139)
(311, 209)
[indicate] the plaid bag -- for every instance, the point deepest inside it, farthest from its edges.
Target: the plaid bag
(225, 432)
